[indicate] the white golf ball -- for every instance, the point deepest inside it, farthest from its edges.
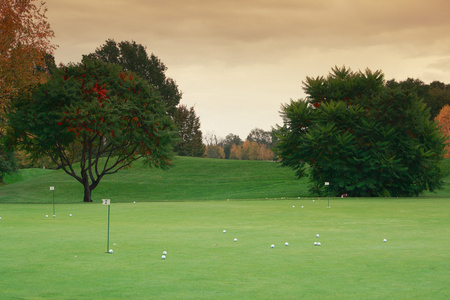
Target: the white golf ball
(293, 206)
(46, 216)
(317, 235)
(272, 246)
(385, 240)
(302, 206)
(313, 200)
(318, 243)
(286, 244)
(224, 231)
(54, 216)
(315, 243)
(134, 201)
(235, 239)
(70, 215)
(164, 252)
(110, 251)
(163, 257)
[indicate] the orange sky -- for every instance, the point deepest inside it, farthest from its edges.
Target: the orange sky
(237, 61)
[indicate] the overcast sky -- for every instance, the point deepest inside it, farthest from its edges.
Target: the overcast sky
(237, 61)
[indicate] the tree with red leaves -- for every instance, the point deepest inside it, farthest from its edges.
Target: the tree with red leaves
(443, 118)
(133, 57)
(94, 114)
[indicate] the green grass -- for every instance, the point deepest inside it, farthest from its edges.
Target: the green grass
(64, 257)
(190, 179)
(184, 211)
(25, 174)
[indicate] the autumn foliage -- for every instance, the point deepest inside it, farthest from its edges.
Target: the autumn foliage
(251, 151)
(443, 118)
(24, 41)
(214, 151)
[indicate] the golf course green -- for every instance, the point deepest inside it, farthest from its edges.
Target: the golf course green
(66, 257)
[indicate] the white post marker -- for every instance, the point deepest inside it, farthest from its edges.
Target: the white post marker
(107, 202)
(52, 188)
(328, 184)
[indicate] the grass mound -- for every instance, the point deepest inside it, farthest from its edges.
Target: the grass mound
(190, 179)
(25, 174)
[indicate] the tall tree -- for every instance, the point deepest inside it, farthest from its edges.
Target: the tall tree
(236, 152)
(250, 150)
(260, 136)
(230, 140)
(435, 95)
(8, 164)
(363, 138)
(25, 38)
(133, 57)
(97, 114)
(443, 118)
(214, 151)
(190, 136)
(438, 96)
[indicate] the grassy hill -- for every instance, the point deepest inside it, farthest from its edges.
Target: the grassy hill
(190, 179)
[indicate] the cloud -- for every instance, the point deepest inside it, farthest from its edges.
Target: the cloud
(441, 64)
(240, 59)
(250, 30)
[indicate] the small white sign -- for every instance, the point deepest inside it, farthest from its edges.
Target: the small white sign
(105, 201)
(327, 183)
(52, 188)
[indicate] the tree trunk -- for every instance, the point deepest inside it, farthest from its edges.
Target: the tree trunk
(87, 193)
(87, 188)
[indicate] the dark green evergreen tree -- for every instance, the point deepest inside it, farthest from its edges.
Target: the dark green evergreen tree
(363, 138)
(190, 141)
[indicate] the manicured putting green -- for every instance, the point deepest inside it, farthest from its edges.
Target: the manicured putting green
(65, 257)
